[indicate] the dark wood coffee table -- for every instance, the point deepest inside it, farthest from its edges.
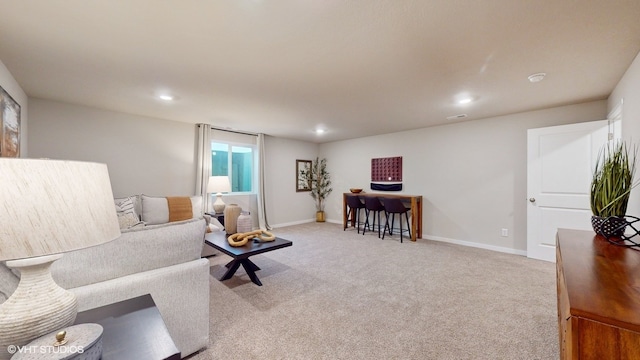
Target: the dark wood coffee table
(241, 254)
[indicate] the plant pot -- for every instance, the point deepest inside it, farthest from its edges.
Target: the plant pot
(612, 226)
(320, 216)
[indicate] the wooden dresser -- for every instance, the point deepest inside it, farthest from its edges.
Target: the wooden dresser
(598, 297)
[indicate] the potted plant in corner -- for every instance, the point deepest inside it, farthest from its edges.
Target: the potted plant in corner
(610, 188)
(320, 181)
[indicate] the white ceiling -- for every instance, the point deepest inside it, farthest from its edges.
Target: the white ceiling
(286, 67)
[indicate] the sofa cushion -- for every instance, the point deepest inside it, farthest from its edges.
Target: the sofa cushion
(126, 205)
(128, 221)
(155, 209)
(215, 225)
(136, 250)
(180, 208)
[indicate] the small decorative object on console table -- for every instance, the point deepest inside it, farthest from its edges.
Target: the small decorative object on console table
(611, 186)
(49, 207)
(218, 184)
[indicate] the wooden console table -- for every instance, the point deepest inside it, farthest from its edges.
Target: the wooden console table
(598, 297)
(416, 209)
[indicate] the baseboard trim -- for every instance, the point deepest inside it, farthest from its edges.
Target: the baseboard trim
(427, 237)
(305, 222)
(476, 245)
(292, 223)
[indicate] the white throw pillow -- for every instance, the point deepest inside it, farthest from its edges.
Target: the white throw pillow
(126, 206)
(128, 220)
(196, 203)
(216, 223)
(155, 209)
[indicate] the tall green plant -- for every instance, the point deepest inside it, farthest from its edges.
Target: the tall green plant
(613, 180)
(320, 182)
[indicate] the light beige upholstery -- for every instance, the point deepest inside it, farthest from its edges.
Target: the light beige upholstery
(161, 260)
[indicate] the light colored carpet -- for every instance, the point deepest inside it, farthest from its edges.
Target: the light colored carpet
(337, 294)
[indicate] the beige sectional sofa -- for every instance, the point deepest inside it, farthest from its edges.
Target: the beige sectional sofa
(163, 260)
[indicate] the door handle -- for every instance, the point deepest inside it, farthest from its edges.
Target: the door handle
(532, 200)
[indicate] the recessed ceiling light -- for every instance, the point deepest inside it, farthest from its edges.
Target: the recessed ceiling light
(320, 131)
(463, 98)
(165, 97)
(534, 78)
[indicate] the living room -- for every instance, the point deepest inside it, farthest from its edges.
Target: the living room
(471, 174)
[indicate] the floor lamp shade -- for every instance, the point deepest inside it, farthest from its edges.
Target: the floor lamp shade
(47, 207)
(218, 184)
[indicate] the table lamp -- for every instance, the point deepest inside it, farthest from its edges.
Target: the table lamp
(47, 207)
(218, 184)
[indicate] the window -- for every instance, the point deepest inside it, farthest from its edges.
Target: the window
(235, 161)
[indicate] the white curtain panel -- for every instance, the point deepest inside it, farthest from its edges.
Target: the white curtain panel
(203, 165)
(262, 208)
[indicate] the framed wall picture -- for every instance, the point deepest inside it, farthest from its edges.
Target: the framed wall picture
(303, 182)
(386, 174)
(9, 125)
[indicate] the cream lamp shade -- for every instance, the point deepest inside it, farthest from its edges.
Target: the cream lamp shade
(218, 184)
(47, 207)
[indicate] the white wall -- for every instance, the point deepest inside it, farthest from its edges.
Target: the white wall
(157, 157)
(285, 206)
(11, 86)
(472, 175)
(628, 90)
(144, 155)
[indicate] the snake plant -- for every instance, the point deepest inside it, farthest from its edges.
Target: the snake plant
(613, 180)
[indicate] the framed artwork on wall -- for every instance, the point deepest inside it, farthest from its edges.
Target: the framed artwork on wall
(387, 169)
(386, 174)
(9, 125)
(303, 183)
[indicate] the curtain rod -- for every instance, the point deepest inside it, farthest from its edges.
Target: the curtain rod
(232, 131)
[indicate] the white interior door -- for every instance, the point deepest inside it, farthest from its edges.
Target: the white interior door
(559, 170)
